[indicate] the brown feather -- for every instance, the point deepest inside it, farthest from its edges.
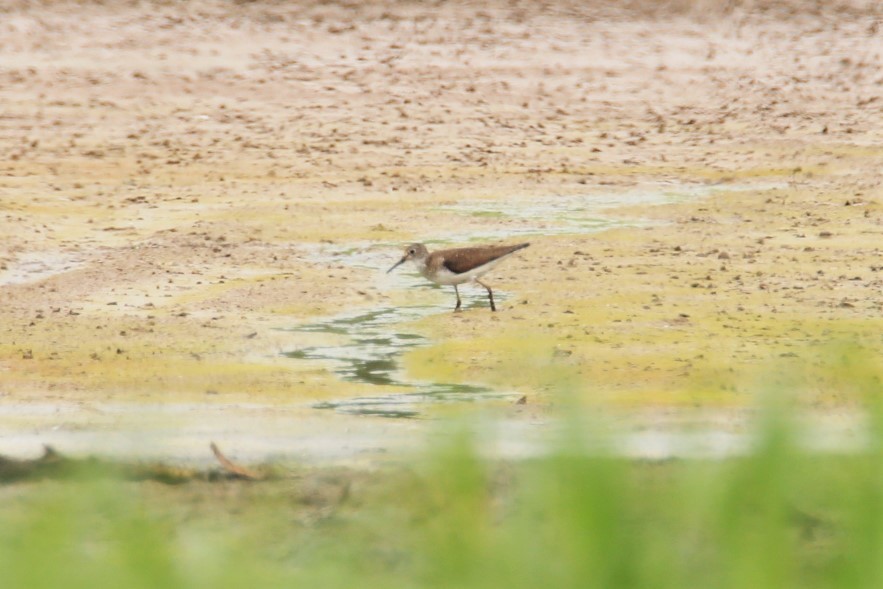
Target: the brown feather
(465, 259)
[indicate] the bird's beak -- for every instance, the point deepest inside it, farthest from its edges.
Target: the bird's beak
(399, 263)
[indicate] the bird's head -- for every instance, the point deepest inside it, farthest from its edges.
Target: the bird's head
(416, 252)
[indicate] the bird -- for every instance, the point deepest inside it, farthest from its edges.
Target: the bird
(459, 265)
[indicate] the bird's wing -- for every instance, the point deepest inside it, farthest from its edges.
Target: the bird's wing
(465, 259)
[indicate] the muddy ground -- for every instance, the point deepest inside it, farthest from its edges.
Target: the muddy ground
(183, 183)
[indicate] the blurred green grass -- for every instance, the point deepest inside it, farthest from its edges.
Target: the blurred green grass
(776, 517)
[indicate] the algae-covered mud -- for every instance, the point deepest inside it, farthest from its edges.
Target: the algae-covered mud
(199, 201)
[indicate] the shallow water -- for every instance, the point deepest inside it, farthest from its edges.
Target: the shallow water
(523, 216)
(371, 356)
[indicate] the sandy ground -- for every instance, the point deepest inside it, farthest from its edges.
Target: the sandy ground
(183, 183)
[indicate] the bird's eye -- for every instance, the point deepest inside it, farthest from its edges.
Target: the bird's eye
(412, 251)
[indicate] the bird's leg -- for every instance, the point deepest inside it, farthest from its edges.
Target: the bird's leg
(457, 308)
(490, 294)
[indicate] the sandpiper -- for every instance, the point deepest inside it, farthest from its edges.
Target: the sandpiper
(456, 266)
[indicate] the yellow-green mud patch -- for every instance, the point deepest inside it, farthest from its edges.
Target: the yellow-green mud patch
(666, 324)
(151, 358)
